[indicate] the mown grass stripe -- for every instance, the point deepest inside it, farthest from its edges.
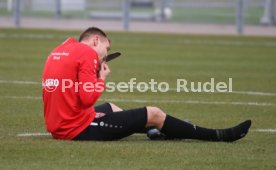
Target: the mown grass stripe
(160, 101)
(170, 89)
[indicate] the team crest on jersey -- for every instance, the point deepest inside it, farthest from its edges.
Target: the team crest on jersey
(50, 85)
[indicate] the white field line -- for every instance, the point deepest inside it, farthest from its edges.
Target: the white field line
(241, 92)
(266, 130)
(170, 89)
(33, 134)
(22, 97)
(188, 102)
(48, 134)
(18, 82)
(159, 101)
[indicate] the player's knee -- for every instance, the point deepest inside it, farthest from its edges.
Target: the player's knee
(115, 108)
(112, 104)
(155, 115)
(154, 110)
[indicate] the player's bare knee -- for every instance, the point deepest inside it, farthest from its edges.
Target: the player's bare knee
(112, 104)
(115, 108)
(155, 110)
(155, 115)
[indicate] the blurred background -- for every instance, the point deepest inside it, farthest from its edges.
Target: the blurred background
(180, 16)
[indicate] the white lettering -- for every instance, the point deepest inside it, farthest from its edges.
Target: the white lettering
(161, 89)
(152, 85)
(211, 85)
(142, 87)
(66, 83)
(122, 87)
(131, 84)
(182, 83)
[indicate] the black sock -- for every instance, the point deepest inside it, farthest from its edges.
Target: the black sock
(234, 133)
(175, 128)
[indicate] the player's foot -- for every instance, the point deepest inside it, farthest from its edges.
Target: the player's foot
(234, 133)
(155, 134)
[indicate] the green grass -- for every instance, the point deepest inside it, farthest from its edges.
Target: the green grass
(223, 15)
(250, 61)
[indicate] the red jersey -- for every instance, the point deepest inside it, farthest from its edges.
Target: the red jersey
(68, 103)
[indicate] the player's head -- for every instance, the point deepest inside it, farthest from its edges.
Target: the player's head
(96, 39)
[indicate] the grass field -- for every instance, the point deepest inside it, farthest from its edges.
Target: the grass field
(250, 61)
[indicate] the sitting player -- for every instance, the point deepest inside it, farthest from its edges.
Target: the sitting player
(69, 110)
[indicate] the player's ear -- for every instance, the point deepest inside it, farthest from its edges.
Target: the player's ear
(96, 40)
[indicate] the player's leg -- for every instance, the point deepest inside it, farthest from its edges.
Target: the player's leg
(111, 107)
(121, 124)
(115, 108)
(115, 125)
(176, 128)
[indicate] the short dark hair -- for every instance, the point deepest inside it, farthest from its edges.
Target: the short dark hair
(92, 31)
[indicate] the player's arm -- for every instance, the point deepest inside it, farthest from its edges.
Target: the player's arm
(90, 86)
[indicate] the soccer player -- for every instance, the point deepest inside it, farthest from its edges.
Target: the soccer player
(73, 80)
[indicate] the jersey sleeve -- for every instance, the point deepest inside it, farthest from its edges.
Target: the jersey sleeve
(90, 87)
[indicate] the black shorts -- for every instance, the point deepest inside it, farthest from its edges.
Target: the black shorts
(114, 125)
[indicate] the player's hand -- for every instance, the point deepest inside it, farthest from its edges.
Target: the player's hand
(104, 72)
